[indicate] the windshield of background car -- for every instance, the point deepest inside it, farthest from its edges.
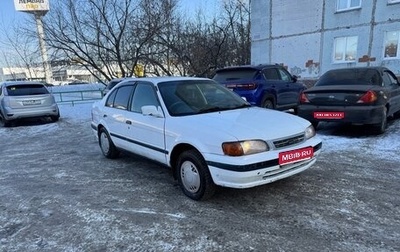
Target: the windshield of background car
(350, 77)
(235, 74)
(21, 90)
(191, 97)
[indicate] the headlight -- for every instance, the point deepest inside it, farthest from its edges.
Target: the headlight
(309, 132)
(241, 148)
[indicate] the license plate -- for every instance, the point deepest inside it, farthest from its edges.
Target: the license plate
(328, 115)
(31, 102)
(288, 157)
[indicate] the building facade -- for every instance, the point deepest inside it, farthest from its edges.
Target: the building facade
(312, 37)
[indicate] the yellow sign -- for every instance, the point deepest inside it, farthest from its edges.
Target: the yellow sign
(31, 5)
(139, 70)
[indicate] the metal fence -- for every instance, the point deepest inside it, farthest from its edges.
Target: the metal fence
(77, 93)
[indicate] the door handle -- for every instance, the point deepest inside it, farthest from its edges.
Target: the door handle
(104, 115)
(128, 122)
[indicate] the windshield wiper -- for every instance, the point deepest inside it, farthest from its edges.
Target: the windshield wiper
(210, 109)
(243, 106)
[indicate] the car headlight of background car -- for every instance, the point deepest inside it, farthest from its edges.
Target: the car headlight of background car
(241, 148)
(309, 132)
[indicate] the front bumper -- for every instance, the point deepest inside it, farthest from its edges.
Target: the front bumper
(248, 173)
(352, 114)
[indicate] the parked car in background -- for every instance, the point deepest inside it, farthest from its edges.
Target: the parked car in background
(362, 95)
(267, 86)
(112, 84)
(207, 134)
(26, 99)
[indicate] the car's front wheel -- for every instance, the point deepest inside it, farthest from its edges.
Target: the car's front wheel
(106, 144)
(194, 178)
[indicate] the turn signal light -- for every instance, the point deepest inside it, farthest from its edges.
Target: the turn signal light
(368, 97)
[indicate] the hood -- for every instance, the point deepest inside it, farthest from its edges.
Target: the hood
(248, 123)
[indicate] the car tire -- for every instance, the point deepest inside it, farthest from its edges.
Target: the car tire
(55, 118)
(4, 122)
(268, 103)
(194, 178)
(380, 128)
(106, 145)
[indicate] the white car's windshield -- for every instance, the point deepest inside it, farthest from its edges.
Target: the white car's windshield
(190, 97)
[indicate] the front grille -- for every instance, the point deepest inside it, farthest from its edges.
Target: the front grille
(288, 141)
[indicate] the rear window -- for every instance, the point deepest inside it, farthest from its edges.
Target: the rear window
(235, 74)
(350, 77)
(20, 90)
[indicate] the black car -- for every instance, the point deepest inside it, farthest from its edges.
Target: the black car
(362, 95)
(268, 86)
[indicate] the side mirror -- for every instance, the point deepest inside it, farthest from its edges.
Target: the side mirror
(151, 110)
(294, 78)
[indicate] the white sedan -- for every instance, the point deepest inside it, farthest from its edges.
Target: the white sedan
(207, 134)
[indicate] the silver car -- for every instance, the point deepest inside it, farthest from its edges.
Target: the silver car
(26, 99)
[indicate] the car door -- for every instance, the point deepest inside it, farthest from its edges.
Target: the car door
(115, 115)
(146, 132)
(282, 84)
(391, 84)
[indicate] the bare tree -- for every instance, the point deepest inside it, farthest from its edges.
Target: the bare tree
(23, 49)
(111, 38)
(108, 37)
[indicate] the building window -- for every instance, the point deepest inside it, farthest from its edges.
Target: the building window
(345, 49)
(392, 40)
(348, 4)
(393, 1)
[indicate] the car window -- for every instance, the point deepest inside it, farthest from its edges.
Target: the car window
(143, 95)
(111, 98)
(18, 90)
(350, 77)
(285, 75)
(122, 97)
(388, 79)
(235, 74)
(271, 74)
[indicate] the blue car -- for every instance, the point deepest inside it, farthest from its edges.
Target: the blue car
(267, 86)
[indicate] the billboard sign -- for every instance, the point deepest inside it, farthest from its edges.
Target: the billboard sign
(31, 5)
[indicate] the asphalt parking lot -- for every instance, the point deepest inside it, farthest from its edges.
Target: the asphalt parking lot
(58, 193)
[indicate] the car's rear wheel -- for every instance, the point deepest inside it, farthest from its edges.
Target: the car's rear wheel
(194, 178)
(268, 103)
(4, 122)
(106, 145)
(380, 128)
(55, 118)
